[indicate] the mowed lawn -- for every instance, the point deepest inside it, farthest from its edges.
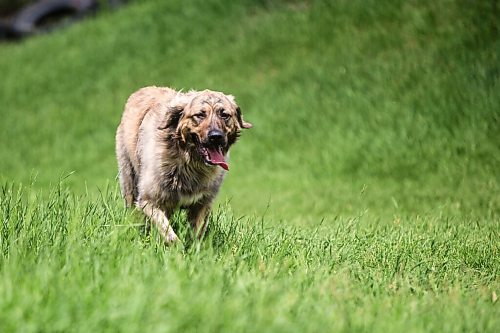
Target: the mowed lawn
(366, 198)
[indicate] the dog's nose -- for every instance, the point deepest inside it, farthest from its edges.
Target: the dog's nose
(216, 137)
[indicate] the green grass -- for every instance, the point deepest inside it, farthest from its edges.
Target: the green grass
(73, 264)
(366, 197)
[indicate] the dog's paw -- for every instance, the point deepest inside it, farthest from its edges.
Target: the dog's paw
(171, 237)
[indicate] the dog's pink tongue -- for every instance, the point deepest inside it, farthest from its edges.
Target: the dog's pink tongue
(216, 157)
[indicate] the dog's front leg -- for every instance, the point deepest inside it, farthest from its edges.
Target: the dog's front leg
(198, 218)
(160, 219)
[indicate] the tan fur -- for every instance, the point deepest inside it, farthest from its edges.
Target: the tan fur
(158, 151)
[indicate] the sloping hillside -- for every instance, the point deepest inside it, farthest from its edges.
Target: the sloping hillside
(356, 104)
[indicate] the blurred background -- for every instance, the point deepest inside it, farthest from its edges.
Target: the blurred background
(385, 108)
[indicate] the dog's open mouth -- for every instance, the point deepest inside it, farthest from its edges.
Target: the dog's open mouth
(214, 156)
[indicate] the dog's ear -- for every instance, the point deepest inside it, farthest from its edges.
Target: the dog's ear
(173, 113)
(171, 118)
(242, 123)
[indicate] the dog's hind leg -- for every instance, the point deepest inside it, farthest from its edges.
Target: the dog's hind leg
(198, 218)
(128, 181)
(126, 172)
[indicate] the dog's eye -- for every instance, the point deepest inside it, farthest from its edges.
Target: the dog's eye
(224, 115)
(199, 116)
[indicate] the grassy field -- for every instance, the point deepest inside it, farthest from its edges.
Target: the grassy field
(366, 197)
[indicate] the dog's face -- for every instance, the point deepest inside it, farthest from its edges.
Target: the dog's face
(209, 123)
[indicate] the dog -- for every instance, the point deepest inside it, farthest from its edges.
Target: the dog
(172, 150)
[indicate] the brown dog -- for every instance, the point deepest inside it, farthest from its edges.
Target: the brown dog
(172, 149)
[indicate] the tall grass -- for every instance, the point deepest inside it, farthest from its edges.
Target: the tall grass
(72, 264)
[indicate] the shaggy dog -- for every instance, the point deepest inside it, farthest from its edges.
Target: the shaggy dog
(172, 150)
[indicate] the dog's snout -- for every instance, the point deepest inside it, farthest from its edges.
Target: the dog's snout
(216, 137)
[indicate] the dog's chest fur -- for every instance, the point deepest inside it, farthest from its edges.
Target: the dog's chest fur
(188, 183)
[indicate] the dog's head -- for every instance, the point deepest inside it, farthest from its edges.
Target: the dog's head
(207, 123)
